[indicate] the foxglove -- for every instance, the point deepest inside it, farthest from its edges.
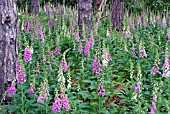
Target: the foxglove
(12, 89)
(28, 55)
(57, 105)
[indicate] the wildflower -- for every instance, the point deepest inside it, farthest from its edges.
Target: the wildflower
(127, 34)
(57, 105)
(166, 68)
(35, 36)
(21, 73)
(135, 20)
(143, 53)
(154, 105)
(58, 7)
(44, 93)
(152, 111)
(91, 43)
(86, 50)
(65, 102)
(159, 20)
(111, 32)
(27, 29)
(28, 55)
(109, 58)
(57, 51)
(40, 99)
(49, 53)
(133, 52)
(21, 76)
(104, 62)
(154, 98)
(50, 67)
(46, 96)
(154, 70)
(142, 19)
(164, 24)
(65, 67)
(80, 49)
(51, 23)
(137, 89)
(31, 26)
(18, 67)
(32, 90)
(95, 64)
(166, 74)
(97, 67)
(48, 9)
(77, 38)
(72, 29)
(101, 90)
(12, 89)
(37, 27)
(131, 26)
(42, 36)
(154, 23)
(98, 75)
(142, 50)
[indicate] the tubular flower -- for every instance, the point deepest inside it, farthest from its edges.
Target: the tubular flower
(28, 55)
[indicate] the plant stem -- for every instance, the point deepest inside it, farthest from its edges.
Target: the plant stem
(22, 99)
(46, 110)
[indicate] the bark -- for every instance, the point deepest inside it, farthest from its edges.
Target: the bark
(117, 11)
(100, 8)
(8, 43)
(98, 4)
(85, 16)
(35, 6)
(168, 18)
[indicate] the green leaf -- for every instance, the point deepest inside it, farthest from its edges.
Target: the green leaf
(12, 108)
(85, 93)
(84, 105)
(88, 110)
(113, 104)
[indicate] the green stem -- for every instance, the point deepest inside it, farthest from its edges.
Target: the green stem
(22, 99)
(99, 104)
(46, 107)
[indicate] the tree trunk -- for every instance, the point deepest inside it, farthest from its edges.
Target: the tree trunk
(169, 19)
(85, 16)
(117, 11)
(35, 6)
(8, 43)
(100, 9)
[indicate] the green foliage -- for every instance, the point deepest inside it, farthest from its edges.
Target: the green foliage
(119, 85)
(137, 6)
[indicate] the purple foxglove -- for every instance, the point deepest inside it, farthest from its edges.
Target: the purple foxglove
(12, 89)
(28, 55)
(57, 105)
